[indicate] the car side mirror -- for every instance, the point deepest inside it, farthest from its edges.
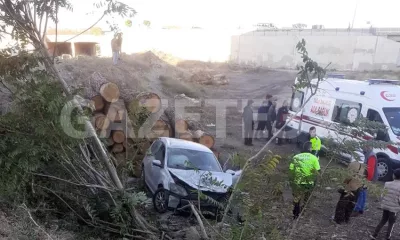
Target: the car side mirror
(229, 171)
(157, 163)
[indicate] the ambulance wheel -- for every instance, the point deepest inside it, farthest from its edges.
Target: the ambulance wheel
(385, 171)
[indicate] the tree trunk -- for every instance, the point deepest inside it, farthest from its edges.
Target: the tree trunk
(204, 138)
(101, 122)
(117, 148)
(162, 129)
(181, 126)
(148, 100)
(186, 136)
(98, 102)
(95, 97)
(110, 92)
(118, 136)
(115, 111)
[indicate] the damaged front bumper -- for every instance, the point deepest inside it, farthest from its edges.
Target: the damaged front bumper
(209, 203)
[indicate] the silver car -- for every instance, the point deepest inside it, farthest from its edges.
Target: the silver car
(175, 171)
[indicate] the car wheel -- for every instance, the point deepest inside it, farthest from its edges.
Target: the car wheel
(160, 200)
(384, 168)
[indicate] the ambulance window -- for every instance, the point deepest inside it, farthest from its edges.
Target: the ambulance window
(373, 115)
(297, 101)
(346, 112)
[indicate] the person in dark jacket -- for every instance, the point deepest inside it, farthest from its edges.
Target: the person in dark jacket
(349, 195)
(281, 120)
(271, 117)
(248, 123)
(269, 98)
(390, 205)
(262, 119)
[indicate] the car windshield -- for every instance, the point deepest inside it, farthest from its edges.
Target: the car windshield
(393, 117)
(191, 159)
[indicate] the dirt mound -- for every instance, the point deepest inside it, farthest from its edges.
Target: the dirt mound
(170, 59)
(138, 72)
(141, 72)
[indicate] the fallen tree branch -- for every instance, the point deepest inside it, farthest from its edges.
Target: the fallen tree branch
(76, 184)
(215, 230)
(34, 222)
(198, 218)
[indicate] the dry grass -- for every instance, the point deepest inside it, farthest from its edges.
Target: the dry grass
(138, 72)
(17, 224)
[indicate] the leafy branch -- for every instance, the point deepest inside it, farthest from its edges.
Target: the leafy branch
(304, 80)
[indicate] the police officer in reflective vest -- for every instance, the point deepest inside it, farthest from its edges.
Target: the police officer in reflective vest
(315, 142)
(303, 171)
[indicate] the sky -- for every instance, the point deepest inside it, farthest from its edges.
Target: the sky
(245, 13)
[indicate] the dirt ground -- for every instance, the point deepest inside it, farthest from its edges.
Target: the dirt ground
(316, 222)
(245, 83)
(142, 73)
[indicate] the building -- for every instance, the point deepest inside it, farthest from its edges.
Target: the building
(74, 45)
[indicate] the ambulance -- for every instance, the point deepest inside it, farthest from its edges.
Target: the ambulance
(339, 101)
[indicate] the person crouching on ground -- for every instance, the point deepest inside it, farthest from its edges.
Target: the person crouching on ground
(390, 205)
(302, 175)
(349, 195)
(248, 123)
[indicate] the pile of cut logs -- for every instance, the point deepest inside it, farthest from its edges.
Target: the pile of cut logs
(116, 114)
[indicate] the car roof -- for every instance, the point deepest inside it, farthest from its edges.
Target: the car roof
(179, 143)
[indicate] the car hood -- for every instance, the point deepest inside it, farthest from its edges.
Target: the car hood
(200, 179)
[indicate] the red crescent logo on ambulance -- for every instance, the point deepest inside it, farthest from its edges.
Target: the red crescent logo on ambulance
(388, 96)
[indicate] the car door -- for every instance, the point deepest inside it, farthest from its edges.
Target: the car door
(154, 176)
(148, 164)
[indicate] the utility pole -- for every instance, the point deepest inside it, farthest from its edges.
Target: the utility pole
(355, 12)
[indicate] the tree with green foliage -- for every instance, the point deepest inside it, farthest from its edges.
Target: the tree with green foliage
(40, 163)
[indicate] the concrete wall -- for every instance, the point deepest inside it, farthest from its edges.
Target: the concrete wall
(203, 45)
(344, 52)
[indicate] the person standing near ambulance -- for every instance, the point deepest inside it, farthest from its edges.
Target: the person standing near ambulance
(303, 171)
(315, 141)
(248, 123)
(371, 173)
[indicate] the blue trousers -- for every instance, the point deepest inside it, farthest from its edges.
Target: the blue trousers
(362, 198)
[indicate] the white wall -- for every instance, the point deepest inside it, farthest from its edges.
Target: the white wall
(203, 45)
(344, 52)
